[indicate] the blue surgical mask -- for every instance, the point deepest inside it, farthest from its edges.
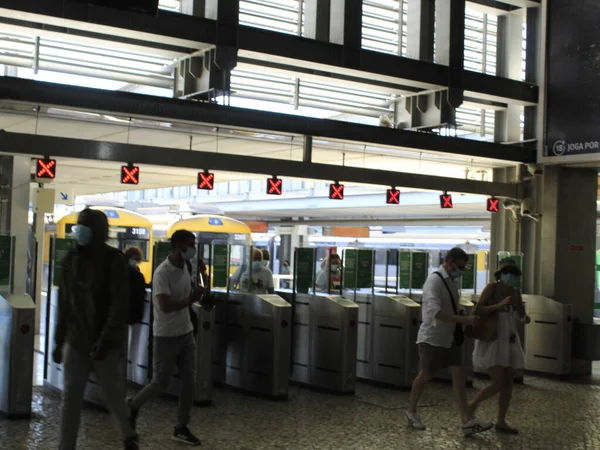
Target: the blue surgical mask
(257, 265)
(508, 278)
(83, 235)
(189, 253)
(456, 274)
(265, 263)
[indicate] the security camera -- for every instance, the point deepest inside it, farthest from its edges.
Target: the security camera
(535, 169)
(511, 205)
(527, 207)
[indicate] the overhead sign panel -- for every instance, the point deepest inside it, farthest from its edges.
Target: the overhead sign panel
(130, 175)
(336, 191)
(206, 181)
(393, 197)
(45, 169)
(493, 205)
(274, 186)
(446, 201)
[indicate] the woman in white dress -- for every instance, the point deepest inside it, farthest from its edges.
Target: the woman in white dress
(501, 357)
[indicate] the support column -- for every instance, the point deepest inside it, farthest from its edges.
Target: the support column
(421, 29)
(508, 65)
(15, 178)
(317, 19)
(450, 45)
(346, 29)
(533, 68)
(566, 263)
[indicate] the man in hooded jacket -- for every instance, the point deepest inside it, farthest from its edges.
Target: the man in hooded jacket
(91, 326)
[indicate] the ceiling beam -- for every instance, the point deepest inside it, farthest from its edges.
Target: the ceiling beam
(140, 106)
(179, 30)
(41, 146)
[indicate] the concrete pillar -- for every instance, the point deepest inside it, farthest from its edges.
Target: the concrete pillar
(421, 29)
(534, 73)
(508, 65)
(566, 263)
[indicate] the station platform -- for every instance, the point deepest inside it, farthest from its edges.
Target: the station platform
(550, 414)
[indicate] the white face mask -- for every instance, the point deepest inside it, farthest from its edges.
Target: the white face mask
(265, 263)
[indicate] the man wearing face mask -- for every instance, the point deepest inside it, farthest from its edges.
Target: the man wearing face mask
(91, 326)
(259, 280)
(174, 342)
(440, 339)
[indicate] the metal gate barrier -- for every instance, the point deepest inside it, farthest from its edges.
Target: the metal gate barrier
(139, 342)
(387, 336)
(325, 337)
(17, 330)
(252, 343)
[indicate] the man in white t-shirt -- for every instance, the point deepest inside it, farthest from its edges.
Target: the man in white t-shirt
(174, 340)
(441, 337)
(258, 280)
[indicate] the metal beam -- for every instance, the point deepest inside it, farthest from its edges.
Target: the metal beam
(29, 144)
(186, 31)
(137, 105)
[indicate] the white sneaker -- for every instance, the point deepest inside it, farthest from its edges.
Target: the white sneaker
(473, 427)
(414, 421)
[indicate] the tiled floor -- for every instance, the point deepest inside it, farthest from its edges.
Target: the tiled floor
(550, 414)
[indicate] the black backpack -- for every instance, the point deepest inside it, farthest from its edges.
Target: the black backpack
(137, 287)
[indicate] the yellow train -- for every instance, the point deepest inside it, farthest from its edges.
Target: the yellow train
(210, 229)
(126, 229)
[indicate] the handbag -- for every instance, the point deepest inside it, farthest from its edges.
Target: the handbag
(486, 328)
(459, 335)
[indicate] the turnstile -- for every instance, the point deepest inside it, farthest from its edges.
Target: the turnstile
(55, 377)
(325, 337)
(138, 348)
(252, 343)
(204, 356)
(387, 334)
(549, 335)
(17, 330)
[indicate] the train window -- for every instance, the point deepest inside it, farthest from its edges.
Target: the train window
(141, 244)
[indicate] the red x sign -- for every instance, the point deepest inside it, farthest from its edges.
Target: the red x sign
(45, 169)
(130, 175)
(206, 181)
(393, 197)
(493, 205)
(446, 201)
(336, 191)
(274, 186)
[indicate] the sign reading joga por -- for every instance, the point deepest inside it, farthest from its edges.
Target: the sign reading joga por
(305, 268)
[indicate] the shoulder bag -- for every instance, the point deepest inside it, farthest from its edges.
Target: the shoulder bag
(486, 328)
(459, 336)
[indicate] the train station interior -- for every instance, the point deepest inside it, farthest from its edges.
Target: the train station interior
(354, 142)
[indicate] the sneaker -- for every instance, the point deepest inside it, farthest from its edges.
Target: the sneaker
(414, 421)
(133, 414)
(185, 436)
(132, 444)
(473, 427)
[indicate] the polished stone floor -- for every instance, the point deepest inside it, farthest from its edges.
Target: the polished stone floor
(551, 415)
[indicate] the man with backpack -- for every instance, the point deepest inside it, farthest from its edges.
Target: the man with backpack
(174, 341)
(91, 328)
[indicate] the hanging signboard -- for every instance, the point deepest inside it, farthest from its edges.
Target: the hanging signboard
(220, 265)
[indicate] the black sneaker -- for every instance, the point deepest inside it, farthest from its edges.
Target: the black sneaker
(185, 436)
(133, 414)
(132, 444)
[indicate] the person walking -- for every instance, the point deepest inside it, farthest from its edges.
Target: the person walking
(440, 339)
(174, 342)
(502, 353)
(91, 329)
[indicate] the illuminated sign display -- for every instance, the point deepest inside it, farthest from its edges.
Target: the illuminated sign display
(274, 186)
(206, 181)
(45, 169)
(493, 205)
(446, 201)
(393, 197)
(130, 175)
(336, 191)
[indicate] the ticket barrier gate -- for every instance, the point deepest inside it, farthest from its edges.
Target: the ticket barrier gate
(548, 338)
(55, 377)
(325, 337)
(138, 369)
(387, 336)
(253, 343)
(17, 330)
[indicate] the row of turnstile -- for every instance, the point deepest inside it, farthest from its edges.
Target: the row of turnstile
(259, 343)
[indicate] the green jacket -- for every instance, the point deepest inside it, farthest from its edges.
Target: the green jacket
(93, 300)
